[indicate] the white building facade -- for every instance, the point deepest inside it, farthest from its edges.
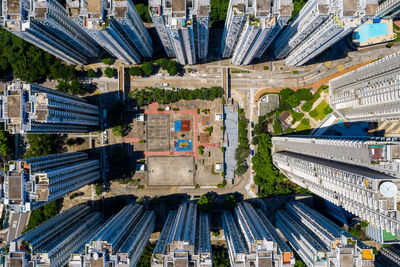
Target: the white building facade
(319, 25)
(369, 93)
(120, 241)
(45, 23)
(252, 240)
(114, 25)
(31, 183)
(389, 9)
(183, 27)
(251, 26)
(51, 243)
(318, 241)
(184, 240)
(31, 108)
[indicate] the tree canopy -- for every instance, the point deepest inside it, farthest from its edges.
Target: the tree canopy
(219, 9)
(30, 63)
(41, 145)
(110, 73)
(42, 214)
(148, 95)
(143, 11)
(267, 176)
(5, 143)
(206, 203)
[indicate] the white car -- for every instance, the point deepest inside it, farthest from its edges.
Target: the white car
(164, 84)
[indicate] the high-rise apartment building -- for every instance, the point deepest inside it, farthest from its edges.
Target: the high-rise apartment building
(114, 25)
(320, 24)
(31, 108)
(31, 183)
(118, 242)
(318, 241)
(45, 23)
(370, 152)
(388, 9)
(184, 240)
(369, 93)
(251, 26)
(183, 27)
(252, 240)
(51, 243)
(365, 191)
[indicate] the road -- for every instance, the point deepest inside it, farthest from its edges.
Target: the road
(18, 221)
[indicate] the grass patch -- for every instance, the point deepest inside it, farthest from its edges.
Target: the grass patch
(321, 111)
(240, 71)
(304, 125)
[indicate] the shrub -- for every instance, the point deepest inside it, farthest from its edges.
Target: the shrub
(136, 71)
(266, 68)
(98, 189)
(216, 233)
(305, 121)
(306, 107)
(222, 149)
(313, 113)
(91, 73)
(295, 71)
(175, 109)
(277, 127)
(328, 110)
(297, 116)
(110, 73)
(189, 70)
(223, 183)
(160, 109)
(142, 141)
(107, 61)
(281, 68)
(148, 67)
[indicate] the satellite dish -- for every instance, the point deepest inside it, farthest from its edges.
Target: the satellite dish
(95, 256)
(388, 189)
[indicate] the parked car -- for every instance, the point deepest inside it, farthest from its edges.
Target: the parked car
(164, 84)
(252, 152)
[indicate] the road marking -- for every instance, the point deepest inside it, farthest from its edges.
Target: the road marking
(243, 96)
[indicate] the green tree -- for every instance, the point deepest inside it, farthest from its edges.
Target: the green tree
(110, 73)
(285, 93)
(118, 131)
(293, 101)
(277, 127)
(143, 11)
(206, 203)
(70, 142)
(91, 73)
(76, 87)
(107, 61)
(304, 94)
(145, 258)
(172, 67)
(148, 67)
(136, 71)
(63, 86)
(229, 202)
(42, 214)
(5, 143)
(41, 145)
(219, 9)
(220, 256)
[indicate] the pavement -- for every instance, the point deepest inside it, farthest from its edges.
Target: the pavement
(18, 221)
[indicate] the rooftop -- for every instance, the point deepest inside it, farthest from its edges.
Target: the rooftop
(179, 5)
(13, 6)
(14, 106)
(120, 12)
(15, 187)
(40, 12)
(94, 6)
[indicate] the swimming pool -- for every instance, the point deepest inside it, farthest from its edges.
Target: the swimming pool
(367, 31)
